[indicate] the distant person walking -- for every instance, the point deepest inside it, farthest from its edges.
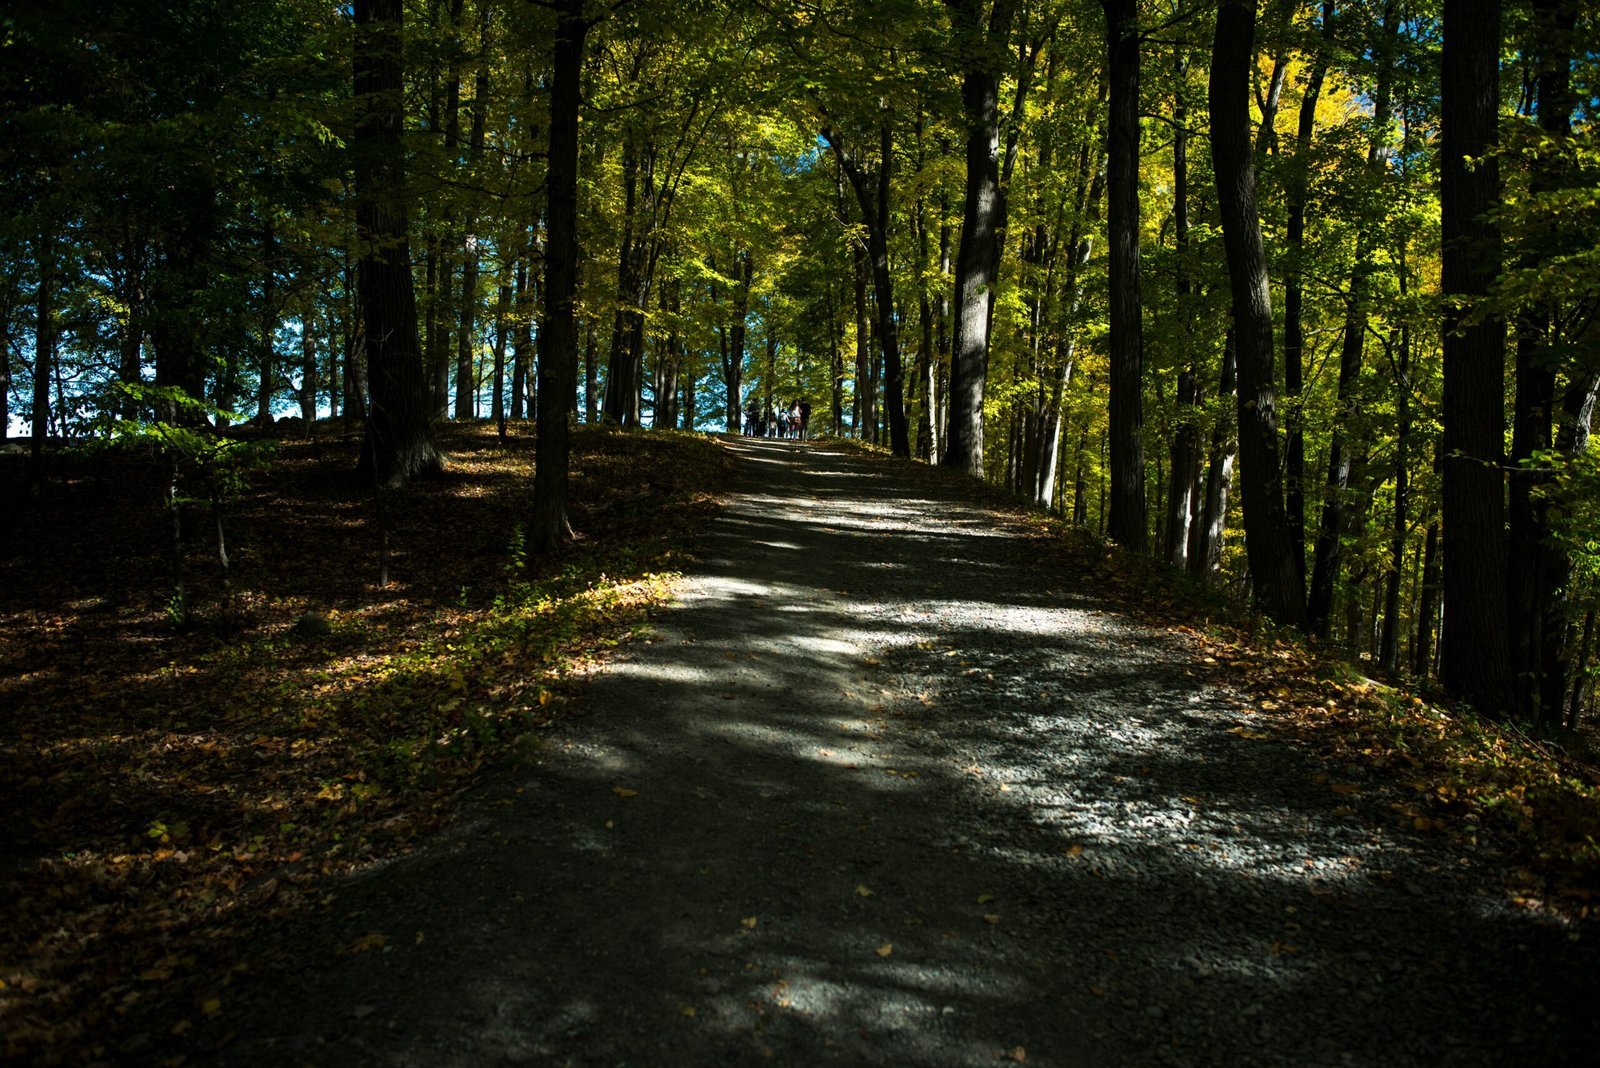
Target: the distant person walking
(805, 416)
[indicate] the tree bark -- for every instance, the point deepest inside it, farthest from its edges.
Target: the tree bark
(1273, 556)
(521, 342)
(1128, 520)
(1331, 529)
(982, 218)
(466, 338)
(497, 403)
(269, 326)
(1294, 343)
(399, 441)
(549, 526)
(1183, 498)
(44, 351)
(1476, 662)
(1205, 552)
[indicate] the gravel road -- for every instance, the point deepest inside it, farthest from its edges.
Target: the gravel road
(889, 785)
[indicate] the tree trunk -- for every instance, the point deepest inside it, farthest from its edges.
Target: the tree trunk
(497, 402)
(521, 342)
(1183, 497)
(1294, 339)
(399, 441)
(308, 371)
(1476, 662)
(269, 326)
(1389, 649)
(982, 217)
(888, 328)
(466, 338)
(1580, 681)
(621, 369)
(1329, 546)
(1128, 519)
(1428, 609)
(861, 384)
(443, 310)
(1205, 553)
(558, 338)
(733, 351)
(44, 351)
(1273, 556)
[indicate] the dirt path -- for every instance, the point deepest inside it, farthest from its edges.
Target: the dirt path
(887, 788)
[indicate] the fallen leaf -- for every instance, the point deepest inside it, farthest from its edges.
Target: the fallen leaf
(749, 923)
(687, 1010)
(991, 918)
(984, 899)
(372, 940)
(1345, 789)
(863, 891)
(885, 949)
(1019, 1055)
(623, 791)
(1073, 851)
(211, 1006)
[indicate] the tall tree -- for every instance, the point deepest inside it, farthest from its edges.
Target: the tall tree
(549, 526)
(1275, 570)
(871, 187)
(1474, 645)
(399, 440)
(1127, 521)
(984, 52)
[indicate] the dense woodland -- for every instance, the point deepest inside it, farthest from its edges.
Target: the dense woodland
(1298, 297)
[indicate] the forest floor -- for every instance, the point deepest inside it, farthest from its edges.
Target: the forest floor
(902, 775)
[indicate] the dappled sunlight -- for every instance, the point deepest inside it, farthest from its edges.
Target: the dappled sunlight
(931, 805)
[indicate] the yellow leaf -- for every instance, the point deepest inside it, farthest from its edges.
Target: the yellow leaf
(623, 791)
(749, 922)
(984, 899)
(211, 1006)
(181, 1026)
(885, 949)
(544, 698)
(373, 940)
(420, 938)
(1074, 851)
(862, 891)
(991, 918)
(1018, 1054)
(687, 1010)
(1345, 789)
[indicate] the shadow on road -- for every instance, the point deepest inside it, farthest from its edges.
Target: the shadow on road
(890, 786)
